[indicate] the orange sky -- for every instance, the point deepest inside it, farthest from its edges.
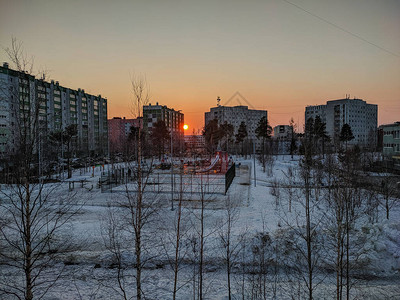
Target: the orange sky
(280, 55)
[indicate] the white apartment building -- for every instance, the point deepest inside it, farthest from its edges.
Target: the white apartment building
(361, 116)
(391, 140)
(57, 107)
(235, 115)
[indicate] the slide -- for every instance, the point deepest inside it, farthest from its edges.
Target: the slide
(216, 159)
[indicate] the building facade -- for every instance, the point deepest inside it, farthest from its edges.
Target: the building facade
(282, 138)
(174, 120)
(118, 132)
(361, 116)
(54, 107)
(391, 140)
(283, 132)
(235, 115)
(195, 143)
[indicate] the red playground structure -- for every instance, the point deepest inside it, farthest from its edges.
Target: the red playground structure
(219, 164)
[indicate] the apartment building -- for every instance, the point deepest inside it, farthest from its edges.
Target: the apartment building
(391, 140)
(235, 115)
(361, 116)
(119, 130)
(195, 143)
(173, 119)
(283, 132)
(54, 107)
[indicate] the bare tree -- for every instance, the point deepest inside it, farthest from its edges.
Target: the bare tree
(114, 242)
(34, 213)
(303, 228)
(231, 248)
(179, 235)
(290, 186)
(135, 200)
(136, 214)
(390, 197)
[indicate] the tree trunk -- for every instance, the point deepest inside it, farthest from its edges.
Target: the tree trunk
(201, 252)
(178, 237)
(28, 244)
(201, 244)
(308, 237)
(347, 250)
(138, 246)
(387, 207)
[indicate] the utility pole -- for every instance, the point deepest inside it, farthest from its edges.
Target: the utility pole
(62, 152)
(254, 160)
(172, 165)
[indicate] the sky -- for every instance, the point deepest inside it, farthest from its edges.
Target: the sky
(280, 55)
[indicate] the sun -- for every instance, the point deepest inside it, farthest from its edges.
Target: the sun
(185, 127)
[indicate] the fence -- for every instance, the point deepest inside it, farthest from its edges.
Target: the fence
(229, 176)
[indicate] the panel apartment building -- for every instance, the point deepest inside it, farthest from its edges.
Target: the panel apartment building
(119, 130)
(173, 119)
(58, 107)
(361, 116)
(235, 115)
(391, 140)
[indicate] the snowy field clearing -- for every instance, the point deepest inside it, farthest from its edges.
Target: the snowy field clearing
(261, 222)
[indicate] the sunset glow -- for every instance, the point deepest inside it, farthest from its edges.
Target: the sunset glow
(277, 56)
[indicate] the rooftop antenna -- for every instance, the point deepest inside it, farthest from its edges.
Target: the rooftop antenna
(238, 100)
(218, 101)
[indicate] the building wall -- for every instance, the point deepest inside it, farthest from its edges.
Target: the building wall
(236, 115)
(361, 116)
(61, 107)
(118, 132)
(195, 143)
(172, 118)
(391, 139)
(282, 132)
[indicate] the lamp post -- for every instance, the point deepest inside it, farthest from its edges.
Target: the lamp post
(172, 164)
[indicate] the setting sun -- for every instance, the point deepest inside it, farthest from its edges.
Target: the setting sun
(185, 127)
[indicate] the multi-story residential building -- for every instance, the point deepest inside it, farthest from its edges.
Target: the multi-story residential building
(391, 140)
(118, 132)
(282, 132)
(173, 119)
(361, 116)
(195, 143)
(54, 107)
(235, 115)
(282, 138)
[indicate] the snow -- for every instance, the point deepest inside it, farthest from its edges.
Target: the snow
(89, 273)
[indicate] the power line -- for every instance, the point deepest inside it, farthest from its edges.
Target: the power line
(342, 29)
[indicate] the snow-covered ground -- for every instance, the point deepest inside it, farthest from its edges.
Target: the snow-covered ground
(90, 272)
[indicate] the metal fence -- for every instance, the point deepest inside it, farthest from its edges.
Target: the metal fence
(229, 176)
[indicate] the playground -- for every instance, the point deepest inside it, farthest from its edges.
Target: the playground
(191, 178)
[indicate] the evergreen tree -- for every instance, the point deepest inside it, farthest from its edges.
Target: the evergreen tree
(263, 130)
(241, 134)
(212, 134)
(160, 136)
(320, 132)
(65, 137)
(226, 132)
(293, 145)
(346, 134)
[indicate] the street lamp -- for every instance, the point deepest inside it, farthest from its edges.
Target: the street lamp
(172, 162)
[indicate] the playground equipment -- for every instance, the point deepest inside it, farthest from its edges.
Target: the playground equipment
(220, 163)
